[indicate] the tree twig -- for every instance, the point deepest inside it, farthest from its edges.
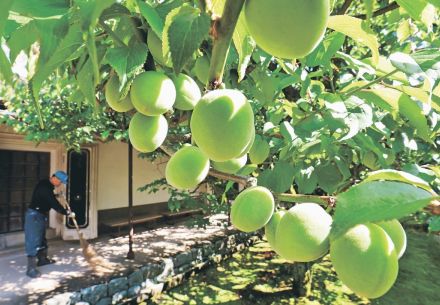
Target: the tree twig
(344, 7)
(392, 6)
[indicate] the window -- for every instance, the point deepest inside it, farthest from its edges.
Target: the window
(20, 171)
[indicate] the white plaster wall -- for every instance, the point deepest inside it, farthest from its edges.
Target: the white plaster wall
(112, 191)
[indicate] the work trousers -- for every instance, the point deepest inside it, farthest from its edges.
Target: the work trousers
(35, 232)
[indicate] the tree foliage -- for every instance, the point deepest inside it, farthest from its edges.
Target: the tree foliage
(367, 98)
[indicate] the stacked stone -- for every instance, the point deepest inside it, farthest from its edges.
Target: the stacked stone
(152, 279)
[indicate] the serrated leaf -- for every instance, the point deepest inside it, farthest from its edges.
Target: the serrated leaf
(358, 30)
(376, 201)
(185, 29)
(279, 179)
(68, 49)
(22, 38)
(395, 175)
(244, 44)
(413, 7)
(125, 60)
(152, 17)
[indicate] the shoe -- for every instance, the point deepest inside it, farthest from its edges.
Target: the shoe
(32, 270)
(43, 259)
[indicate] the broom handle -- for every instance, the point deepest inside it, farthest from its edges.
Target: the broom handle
(67, 206)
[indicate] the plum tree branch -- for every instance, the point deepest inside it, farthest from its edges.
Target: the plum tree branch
(222, 30)
(345, 6)
(328, 201)
(392, 6)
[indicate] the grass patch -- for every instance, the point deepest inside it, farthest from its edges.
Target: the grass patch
(258, 276)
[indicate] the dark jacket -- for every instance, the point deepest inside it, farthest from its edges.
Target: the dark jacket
(43, 198)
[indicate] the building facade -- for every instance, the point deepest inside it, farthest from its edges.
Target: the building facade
(98, 182)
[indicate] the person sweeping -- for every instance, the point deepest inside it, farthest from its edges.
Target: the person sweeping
(43, 199)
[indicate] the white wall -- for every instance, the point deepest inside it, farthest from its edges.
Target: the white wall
(112, 189)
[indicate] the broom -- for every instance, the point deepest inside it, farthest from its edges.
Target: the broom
(97, 263)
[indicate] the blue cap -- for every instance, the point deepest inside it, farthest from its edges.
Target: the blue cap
(62, 176)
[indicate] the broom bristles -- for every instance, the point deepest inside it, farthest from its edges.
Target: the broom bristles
(97, 263)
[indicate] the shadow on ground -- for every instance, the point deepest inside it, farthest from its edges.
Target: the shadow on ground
(258, 276)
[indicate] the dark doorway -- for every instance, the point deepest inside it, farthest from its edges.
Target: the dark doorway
(20, 171)
(78, 186)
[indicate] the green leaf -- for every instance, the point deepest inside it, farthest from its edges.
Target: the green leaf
(125, 60)
(404, 30)
(434, 224)
(41, 8)
(421, 95)
(435, 3)
(359, 116)
(306, 180)
(374, 201)
(409, 66)
(358, 30)
(394, 175)
(247, 169)
(152, 17)
(413, 7)
(91, 48)
(244, 44)
(5, 5)
(5, 67)
(329, 177)
(279, 179)
(90, 10)
(85, 81)
(398, 102)
(185, 29)
(68, 49)
(326, 50)
(22, 38)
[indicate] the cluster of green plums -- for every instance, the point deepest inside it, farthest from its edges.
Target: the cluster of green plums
(365, 257)
(222, 125)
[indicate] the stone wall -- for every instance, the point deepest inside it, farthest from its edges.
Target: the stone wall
(152, 279)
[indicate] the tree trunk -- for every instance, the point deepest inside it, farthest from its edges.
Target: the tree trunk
(302, 279)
